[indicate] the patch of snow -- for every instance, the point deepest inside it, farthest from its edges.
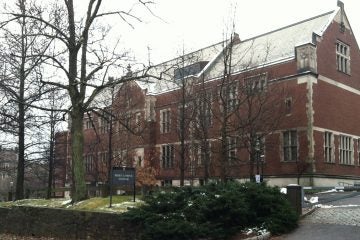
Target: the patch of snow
(329, 191)
(332, 206)
(314, 199)
(283, 190)
(66, 202)
(257, 230)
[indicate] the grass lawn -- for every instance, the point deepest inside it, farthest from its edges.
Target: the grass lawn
(119, 203)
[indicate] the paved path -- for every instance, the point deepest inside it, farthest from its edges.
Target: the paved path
(339, 220)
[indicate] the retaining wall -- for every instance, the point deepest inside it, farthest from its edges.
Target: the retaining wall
(64, 223)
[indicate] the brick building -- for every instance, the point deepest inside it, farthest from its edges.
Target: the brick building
(280, 105)
(8, 164)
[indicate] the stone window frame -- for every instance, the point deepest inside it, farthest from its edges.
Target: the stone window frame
(167, 156)
(329, 147)
(358, 150)
(165, 120)
(103, 157)
(288, 106)
(346, 150)
(343, 61)
(256, 84)
(290, 146)
(230, 96)
(204, 103)
(231, 143)
(89, 163)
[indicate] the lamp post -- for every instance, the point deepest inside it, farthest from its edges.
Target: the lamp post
(110, 143)
(259, 160)
(11, 191)
(257, 157)
(262, 157)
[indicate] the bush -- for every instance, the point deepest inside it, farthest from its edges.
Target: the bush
(215, 211)
(271, 208)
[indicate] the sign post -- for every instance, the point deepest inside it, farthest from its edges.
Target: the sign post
(123, 176)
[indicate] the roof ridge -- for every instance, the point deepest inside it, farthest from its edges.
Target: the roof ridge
(198, 50)
(288, 26)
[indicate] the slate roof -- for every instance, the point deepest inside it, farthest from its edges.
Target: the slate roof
(270, 48)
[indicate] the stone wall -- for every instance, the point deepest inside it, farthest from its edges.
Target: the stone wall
(67, 224)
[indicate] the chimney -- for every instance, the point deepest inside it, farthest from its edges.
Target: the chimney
(340, 4)
(129, 72)
(235, 38)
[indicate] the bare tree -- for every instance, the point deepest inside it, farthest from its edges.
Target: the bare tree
(260, 113)
(20, 78)
(185, 68)
(250, 106)
(79, 51)
(201, 126)
(229, 102)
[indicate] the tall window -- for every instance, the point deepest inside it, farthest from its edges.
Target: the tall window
(230, 96)
(88, 124)
(343, 57)
(290, 146)
(255, 84)
(103, 157)
(138, 118)
(89, 163)
(329, 147)
(199, 152)
(104, 125)
(346, 150)
(231, 147)
(358, 150)
(167, 156)
(204, 113)
(261, 147)
(288, 105)
(165, 121)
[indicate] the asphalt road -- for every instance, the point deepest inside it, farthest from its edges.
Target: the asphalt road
(338, 218)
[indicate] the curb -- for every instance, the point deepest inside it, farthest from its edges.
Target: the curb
(309, 212)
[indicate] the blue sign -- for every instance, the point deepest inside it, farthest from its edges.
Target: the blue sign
(123, 176)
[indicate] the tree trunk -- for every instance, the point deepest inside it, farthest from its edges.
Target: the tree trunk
(51, 156)
(21, 159)
(21, 121)
(78, 166)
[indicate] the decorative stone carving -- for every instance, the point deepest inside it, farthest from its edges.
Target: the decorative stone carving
(306, 58)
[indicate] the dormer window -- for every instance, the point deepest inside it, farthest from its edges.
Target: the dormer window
(343, 57)
(193, 69)
(256, 84)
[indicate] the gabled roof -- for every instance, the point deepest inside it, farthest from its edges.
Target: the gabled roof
(273, 47)
(266, 49)
(166, 69)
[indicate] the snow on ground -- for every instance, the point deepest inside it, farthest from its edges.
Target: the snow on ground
(329, 191)
(314, 200)
(66, 202)
(121, 207)
(332, 206)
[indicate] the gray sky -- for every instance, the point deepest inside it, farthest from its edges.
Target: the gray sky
(193, 24)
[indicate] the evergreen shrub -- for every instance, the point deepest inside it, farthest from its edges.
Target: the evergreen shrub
(214, 211)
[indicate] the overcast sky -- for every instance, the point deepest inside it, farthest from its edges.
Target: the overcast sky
(193, 24)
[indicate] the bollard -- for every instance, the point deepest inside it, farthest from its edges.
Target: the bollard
(10, 196)
(295, 196)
